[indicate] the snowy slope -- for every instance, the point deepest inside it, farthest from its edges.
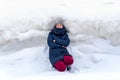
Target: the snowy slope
(91, 59)
(94, 33)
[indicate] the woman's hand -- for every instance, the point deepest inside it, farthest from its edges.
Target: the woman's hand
(54, 41)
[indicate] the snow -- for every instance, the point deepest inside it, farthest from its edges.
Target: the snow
(97, 76)
(94, 34)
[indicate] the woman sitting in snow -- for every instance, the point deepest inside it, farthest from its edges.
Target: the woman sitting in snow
(58, 41)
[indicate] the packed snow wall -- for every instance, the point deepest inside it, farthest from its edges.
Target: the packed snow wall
(79, 29)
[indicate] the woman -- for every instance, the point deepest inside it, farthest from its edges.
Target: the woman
(58, 41)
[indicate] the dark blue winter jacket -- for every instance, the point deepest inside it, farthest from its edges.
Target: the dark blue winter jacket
(57, 49)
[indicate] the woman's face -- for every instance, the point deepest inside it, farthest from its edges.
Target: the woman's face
(59, 25)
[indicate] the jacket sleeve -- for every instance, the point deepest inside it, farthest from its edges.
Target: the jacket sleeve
(63, 42)
(52, 44)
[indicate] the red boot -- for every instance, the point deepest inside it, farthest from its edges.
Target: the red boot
(60, 66)
(68, 60)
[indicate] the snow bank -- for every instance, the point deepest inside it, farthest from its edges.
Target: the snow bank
(26, 19)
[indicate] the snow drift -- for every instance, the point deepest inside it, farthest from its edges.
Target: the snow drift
(21, 22)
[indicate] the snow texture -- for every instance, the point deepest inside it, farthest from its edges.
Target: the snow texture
(94, 27)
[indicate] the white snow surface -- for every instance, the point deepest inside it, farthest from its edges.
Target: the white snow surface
(94, 27)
